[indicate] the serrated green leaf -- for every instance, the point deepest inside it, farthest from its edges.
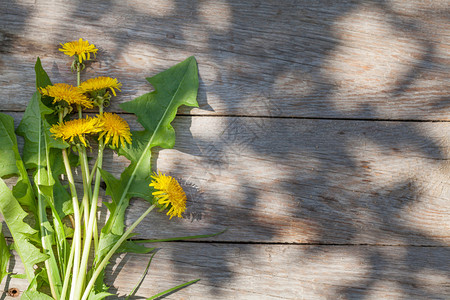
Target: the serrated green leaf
(113, 186)
(42, 79)
(107, 241)
(8, 147)
(13, 215)
(99, 286)
(62, 198)
(34, 295)
(141, 189)
(11, 163)
(100, 290)
(34, 126)
(99, 296)
(115, 189)
(4, 255)
(23, 192)
(155, 111)
(36, 132)
(38, 281)
(35, 129)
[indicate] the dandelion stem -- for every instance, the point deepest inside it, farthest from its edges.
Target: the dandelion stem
(91, 228)
(67, 276)
(77, 230)
(87, 193)
(78, 73)
(76, 243)
(105, 260)
(80, 111)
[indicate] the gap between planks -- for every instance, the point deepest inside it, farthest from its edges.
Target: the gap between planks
(275, 117)
(209, 242)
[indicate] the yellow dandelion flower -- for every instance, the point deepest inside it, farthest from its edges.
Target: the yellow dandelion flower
(116, 128)
(81, 48)
(68, 93)
(169, 193)
(100, 83)
(76, 128)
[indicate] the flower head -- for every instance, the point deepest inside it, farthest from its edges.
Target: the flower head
(169, 194)
(100, 83)
(81, 48)
(76, 129)
(116, 128)
(68, 93)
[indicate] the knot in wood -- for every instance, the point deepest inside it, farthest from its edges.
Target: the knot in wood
(13, 292)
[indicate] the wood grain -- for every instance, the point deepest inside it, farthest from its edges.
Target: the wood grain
(238, 271)
(304, 181)
(320, 59)
(321, 141)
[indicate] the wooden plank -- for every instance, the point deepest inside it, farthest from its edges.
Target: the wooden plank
(304, 181)
(236, 271)
(321, 59)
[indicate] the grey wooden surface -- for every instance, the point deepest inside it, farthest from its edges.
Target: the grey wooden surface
(321, 141)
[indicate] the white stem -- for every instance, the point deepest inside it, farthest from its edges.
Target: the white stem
(105, 260)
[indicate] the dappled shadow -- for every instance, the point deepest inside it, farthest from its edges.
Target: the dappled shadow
(312, 100)
(414, 260)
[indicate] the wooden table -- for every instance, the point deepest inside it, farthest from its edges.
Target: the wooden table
(321, 141)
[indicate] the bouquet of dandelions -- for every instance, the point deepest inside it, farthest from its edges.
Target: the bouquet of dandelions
(55, 247)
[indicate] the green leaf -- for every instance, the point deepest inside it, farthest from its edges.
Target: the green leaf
(13, 215)
(99, 296)
(38, 281)
(115, 189)
(42, 79)
(99, 286)
(131, 246)
(62, 198)
(34, 295)
(173, 289)
(182, 238)
(4, 255)
(35, 130)
(23, 192)
(9, 152)
(107, 241)
(138, 284)
(155, 111)
(11, 163)
(19, 276)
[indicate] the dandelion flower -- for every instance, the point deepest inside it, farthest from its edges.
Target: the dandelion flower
(81, 48)
(76, 128)
(169, 194)
(116, 128)
(100, 83)
(68, 93)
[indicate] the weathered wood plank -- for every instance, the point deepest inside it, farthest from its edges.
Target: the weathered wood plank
(235, 271)
(305, 181)
(326, 59)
